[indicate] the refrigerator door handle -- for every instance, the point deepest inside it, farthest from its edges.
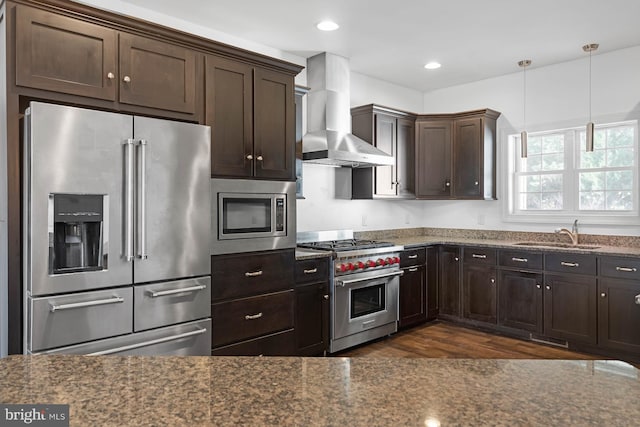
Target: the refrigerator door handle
(141, 226)
(128, 198)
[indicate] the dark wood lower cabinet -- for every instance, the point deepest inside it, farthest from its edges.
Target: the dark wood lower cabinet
(479, 293)
(570, 308)
(278, 344)
(619, 315)
(449, 281)
(431, 276)
(520, 300)
(312, 318)
(413, 297)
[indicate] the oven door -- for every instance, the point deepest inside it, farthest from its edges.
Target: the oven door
(365, 301)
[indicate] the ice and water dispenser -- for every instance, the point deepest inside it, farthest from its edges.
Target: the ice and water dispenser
(78, 229)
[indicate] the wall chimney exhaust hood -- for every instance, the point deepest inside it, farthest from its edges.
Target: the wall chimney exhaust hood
(328, 140)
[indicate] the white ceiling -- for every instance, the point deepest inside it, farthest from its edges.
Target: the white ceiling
(392, 41)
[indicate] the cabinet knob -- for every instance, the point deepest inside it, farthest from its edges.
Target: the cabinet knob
(249, 157)
(325, 296)
(126, 79)
(259, 158)
(603, 295)
(538, 285)
(457, 259)
(475, 183)
(637, 299)
(548, 287)
(447, 184)
(493, 281)
(111, 76)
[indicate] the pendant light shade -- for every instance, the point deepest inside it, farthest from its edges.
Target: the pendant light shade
(592, 47)
(523, 135)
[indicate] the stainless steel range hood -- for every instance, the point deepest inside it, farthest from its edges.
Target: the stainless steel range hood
(329, 140)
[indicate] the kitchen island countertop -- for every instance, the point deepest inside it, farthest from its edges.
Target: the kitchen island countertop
(194, 391)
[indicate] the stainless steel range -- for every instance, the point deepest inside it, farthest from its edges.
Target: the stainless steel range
(364, 295)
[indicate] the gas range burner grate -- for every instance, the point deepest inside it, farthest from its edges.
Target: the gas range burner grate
(346, 244)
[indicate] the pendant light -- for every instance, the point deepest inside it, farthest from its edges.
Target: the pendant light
(523, 135)
(590, 126)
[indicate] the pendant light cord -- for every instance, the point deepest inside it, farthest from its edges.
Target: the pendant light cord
(524, 105)
(590, 51)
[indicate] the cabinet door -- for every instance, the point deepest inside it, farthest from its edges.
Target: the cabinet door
(405, 159)
(412, 296)
(433, 159)
(619, 314)
(520, 300)
(385, 140)
(157, 74)
(312, 318)
(570, 308)
(479, 293)
(449, 283)
(274, 125)
(65, 55)
(229, 112)
(467, 158)
(431, 276)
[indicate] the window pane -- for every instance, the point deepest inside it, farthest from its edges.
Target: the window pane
(620, 180)
(552, 162)
(619, 201)
(553, 143)
(590, 181)
(620, 157)
(593, 159)
(531, 164)
(534, 146)
(620, 137)
(552, 183)
(530, 183)
(592, 200)
(551, 201)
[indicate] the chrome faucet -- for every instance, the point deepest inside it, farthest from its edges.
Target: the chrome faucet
(573, 234)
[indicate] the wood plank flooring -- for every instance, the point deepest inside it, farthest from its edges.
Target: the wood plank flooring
(446, 340)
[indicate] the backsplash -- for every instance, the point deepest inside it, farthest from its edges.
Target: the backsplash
(594, 239)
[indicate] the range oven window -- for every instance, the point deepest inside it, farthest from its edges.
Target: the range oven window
(367, 300)
(246, 215)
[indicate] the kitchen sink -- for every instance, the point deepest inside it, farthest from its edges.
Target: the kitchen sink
(556, 245)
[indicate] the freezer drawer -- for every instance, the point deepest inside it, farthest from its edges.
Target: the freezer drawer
(168, 303)
(187, 339)
(61, 320)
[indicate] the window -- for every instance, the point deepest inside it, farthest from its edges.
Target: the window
(559, 178)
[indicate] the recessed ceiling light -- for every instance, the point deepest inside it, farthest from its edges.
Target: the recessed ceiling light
(327, 26)
(432, 65)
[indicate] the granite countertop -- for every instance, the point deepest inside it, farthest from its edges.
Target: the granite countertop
(216, 391)
(304, 253)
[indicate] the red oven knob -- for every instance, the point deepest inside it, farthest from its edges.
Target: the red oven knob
(389, 261)
(371, 263)
(361, 265)
(380, 261)
(342, 268)
(350, 266)
(396, 260)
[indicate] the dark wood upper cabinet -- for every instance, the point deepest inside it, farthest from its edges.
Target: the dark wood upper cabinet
(63, 54)
(433, 159)
(274, 125)
(456, 155)
(157, 74)
(391, 131)
(229, 112)
(251, 112)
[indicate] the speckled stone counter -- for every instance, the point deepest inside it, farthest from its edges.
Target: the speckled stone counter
(217, 391)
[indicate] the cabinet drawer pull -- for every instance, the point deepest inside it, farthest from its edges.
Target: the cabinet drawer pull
(311, 271)
(413, 256)
(519, 259)
(637, 299)
(481, 256)
(115, 300)
(253, 273)
(627, 269)
(569, 264)
(413, 269)
(253, 316)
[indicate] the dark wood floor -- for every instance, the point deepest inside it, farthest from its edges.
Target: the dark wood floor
(445, 340)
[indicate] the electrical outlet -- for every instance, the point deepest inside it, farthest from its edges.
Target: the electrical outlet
(407, 219)
(364, 220)
(480, 219)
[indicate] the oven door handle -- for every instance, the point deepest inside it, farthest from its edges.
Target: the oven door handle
(367, 279)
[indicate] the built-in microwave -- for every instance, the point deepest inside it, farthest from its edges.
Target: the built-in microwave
(251, 215)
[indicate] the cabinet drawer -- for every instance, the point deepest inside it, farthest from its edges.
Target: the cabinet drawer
(480, 256)
(71, 319)
(622, 268)
(312, 270)
(164, 304)
(410, 257)
(241, 275)
(520, 259)
(570, 263)
(278, 344)
(251, 317)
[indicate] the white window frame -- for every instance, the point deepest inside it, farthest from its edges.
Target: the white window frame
(570, 187)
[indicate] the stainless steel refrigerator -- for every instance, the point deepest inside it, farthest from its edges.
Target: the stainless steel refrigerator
(117, 232)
